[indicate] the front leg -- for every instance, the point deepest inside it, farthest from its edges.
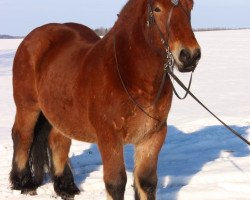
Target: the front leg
(145, 172)
(111, 149)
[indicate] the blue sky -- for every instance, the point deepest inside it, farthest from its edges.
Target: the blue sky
(20, 17)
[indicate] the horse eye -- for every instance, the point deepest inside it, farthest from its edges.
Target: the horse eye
(157, 9)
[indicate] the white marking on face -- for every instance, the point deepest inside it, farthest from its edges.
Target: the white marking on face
(177, 47)
(176, 50)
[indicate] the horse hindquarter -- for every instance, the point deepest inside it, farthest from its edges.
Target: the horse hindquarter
(41, 68)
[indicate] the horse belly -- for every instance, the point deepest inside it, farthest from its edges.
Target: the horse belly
(56, 97)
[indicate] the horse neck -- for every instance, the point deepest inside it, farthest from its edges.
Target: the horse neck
(141, 67)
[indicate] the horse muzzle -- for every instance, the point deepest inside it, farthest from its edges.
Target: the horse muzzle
(189, 60)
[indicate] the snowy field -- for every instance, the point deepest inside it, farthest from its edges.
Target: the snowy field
(200, 160)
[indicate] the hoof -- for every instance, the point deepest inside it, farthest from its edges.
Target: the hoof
(22, 181)
(66, 189)
(29, 191)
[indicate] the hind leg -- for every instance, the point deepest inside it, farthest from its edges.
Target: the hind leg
(62, 176)
(145, 172)
(22, 135)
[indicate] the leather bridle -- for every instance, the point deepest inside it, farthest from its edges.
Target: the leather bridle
(169, 59)
(152, 22)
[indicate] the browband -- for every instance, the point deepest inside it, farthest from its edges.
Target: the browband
(175, 2)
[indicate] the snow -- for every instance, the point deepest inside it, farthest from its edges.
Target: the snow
(200, 158)
(9, 44)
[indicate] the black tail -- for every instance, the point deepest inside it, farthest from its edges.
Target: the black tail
(39, 157)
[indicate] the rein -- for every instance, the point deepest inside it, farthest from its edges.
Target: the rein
(175, 91)
(196, 99)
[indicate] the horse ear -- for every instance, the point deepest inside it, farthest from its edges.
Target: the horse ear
(189, 4)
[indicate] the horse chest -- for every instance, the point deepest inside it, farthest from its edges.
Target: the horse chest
(138, 126)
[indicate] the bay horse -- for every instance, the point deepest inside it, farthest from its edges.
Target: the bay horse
(71, 84)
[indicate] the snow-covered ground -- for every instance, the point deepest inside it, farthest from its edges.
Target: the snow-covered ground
(200, 160)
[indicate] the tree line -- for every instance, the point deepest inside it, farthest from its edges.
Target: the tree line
(103, 31)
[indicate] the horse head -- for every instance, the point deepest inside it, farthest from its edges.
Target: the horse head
(169, 27)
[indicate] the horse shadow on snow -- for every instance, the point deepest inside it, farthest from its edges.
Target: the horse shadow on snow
(182, 157)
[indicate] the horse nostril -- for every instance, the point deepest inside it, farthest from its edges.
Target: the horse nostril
(185, 56)
(197, 55)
